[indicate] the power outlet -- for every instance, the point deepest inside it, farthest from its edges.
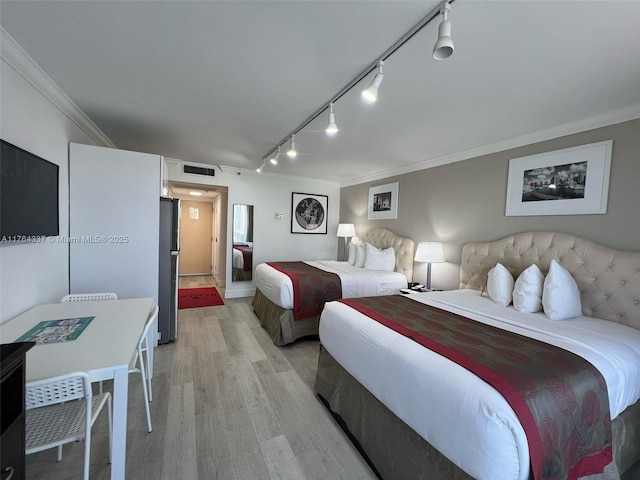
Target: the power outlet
(279, 215)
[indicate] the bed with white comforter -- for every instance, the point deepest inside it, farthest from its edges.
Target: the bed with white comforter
(273, 300)
(458, 426)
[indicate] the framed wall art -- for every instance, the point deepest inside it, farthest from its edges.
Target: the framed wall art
(571, 181)
(309, 213)
(383, 202)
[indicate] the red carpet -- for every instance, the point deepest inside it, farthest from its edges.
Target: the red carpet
(198, 297)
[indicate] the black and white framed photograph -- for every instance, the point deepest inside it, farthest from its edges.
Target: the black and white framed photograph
(309, 213)
(383, 202)
(571, 181)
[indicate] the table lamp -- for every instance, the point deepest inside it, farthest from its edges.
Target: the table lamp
(429, 252)
(346, 230)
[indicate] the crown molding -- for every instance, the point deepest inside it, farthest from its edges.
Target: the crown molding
(610, 118)
(15, 57)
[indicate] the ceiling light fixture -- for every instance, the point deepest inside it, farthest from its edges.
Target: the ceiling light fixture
(370, 94)
(292, 153)
(259, 169)
(444, 46)
(445, 36)
(274, 159)
(332, 128)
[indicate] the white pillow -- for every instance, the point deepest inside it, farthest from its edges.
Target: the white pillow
(361, 253)
(500, 285)
(560, 294)
(527, 292)
(352, 254)
(377, 259)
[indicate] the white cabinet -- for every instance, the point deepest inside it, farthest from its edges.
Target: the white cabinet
(113, 221)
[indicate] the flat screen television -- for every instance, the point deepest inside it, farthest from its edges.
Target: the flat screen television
(28, 195)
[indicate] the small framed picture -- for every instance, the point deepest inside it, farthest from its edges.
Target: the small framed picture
(383, 202)
(309, 213)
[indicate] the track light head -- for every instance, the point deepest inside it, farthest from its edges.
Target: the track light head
(443, 48)
(259, 169)
(332, 127)
(292, 153)
(274, 159)
(370, 93)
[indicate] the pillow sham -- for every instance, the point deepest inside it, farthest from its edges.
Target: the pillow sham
(560, 294)
(377, 259)
(527, 291)
(361, 253)
(353, 248)
(500, 285)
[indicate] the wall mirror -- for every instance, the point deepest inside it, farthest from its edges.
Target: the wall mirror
(242, 245)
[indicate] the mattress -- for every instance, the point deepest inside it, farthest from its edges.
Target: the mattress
(356, 281)
(402, 374)
(238, 259)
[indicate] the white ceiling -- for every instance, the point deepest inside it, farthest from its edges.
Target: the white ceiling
(222, 82)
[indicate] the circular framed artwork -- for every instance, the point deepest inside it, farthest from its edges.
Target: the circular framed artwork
(308, 213)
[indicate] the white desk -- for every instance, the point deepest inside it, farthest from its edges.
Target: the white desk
(104, 350)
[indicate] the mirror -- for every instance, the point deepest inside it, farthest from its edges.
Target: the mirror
(242, 249)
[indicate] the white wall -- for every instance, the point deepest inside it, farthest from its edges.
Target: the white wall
(270, 194)
(34, 273)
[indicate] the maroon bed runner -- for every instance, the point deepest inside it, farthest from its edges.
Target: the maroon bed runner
(247, 257)
(560, 398)
(312, 287)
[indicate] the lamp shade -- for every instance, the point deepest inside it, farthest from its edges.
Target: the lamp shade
(346, 230)
(430, 252)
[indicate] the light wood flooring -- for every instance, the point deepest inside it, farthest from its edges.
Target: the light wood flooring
(227, 404)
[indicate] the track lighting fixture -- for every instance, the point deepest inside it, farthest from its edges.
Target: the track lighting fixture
(259, 169)
(332, 128)
(292, 150)
(371, 92)
(444, 46)
(442, 49)
(274, 159)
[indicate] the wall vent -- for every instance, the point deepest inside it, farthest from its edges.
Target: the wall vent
(209, 172)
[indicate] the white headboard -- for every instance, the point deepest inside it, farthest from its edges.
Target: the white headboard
(403, 247)
(609, 280)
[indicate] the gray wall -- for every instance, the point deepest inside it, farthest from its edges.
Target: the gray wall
(465, 202)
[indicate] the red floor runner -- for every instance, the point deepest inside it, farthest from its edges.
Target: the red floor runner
(198, 297)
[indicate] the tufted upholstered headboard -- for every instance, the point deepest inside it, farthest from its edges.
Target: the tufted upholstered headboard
(403, 248)
(608, 279)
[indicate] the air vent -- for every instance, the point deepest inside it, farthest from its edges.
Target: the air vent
(209, 172)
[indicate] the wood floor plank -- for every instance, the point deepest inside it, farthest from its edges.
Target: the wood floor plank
(282, 463)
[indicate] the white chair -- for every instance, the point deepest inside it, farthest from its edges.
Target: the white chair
(62, 410)
(89, 297)
(142, 361)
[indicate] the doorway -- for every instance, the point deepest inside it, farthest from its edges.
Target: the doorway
(205, 245)
(196, 224)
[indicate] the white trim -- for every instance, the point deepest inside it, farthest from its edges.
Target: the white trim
(20, 61)
(610, 118)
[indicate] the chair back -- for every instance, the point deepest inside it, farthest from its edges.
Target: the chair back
(151, 321)
(89, 297)
(71, 386)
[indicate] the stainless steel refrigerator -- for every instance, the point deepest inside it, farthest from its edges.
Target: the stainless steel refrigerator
(168, 265)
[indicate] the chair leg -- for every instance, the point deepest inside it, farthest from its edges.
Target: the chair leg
(146, 393)
(87, 452)
(110, 426)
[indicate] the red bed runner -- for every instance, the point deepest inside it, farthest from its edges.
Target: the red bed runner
(312, 287)
(247, 256)
(560, 398)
